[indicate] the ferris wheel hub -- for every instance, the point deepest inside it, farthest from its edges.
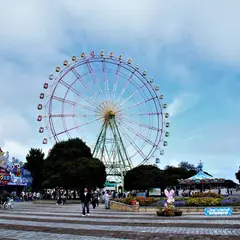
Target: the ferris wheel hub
(108, 110)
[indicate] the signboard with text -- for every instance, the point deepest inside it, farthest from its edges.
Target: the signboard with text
(218, 211)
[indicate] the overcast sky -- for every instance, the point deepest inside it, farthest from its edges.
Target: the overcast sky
(190, 47)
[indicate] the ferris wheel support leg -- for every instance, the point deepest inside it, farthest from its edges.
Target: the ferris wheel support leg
(98, 143)
(120, 149)
(130, 165)
(116, 164)
(100, 148)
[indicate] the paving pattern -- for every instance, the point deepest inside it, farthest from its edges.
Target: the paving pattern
(48, 221)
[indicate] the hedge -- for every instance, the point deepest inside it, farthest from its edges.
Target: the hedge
(203, 201)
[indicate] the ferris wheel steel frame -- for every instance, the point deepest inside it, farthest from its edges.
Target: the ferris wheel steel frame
(111, 116)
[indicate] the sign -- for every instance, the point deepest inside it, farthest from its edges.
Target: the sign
(155, 192)
(218, 211)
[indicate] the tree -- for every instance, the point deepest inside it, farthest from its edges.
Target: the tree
(186, 166)
(143, 177)
(229, 183)
(237, 174)
(173, 174)
(70, 165)
(35, 163)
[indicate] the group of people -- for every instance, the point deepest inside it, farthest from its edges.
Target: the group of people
(29, 196)
(87, 198)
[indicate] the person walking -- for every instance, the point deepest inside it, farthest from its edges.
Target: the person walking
(85, 200)
(106, 198)
(95, 199)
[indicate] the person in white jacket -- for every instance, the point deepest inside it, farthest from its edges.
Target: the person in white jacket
(106, 199)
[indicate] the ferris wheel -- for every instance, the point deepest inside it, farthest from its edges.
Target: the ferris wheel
(108, 103)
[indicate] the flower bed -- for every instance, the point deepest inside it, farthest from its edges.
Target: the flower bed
(143, 201)
(203, 201)
(181, 202)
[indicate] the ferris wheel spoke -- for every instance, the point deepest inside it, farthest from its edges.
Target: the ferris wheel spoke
(92, 121)
(79, 77)
(143, 114)
(104, 69)
(116, 81)
(132, 142)
(138, 134)
(141, 124)
(133, 94)
(63, 100)
(84, 83)
(79, 130)
(95, 79)
(71, 115)
(76, 92)
(125, 87)
(137, 104)
(73, 128)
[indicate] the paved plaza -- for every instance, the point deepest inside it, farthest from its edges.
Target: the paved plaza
(48, 221)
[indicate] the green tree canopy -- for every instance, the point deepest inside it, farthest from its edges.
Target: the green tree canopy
(35, 163)
(229, 183)
(174, 173)
(144, 177)
(237, 174)
(70, 165)
(186, 166)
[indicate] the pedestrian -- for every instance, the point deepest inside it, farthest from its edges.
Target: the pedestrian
(34, 196)
(64, 198)
(107, 198)
(95, 199)
(85, 200)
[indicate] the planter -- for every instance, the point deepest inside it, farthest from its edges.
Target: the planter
(160, 213)
(169, 213)
(178, 213)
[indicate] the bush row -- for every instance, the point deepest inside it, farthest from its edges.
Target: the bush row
(203, 201)
(206, 194)
(192, 201)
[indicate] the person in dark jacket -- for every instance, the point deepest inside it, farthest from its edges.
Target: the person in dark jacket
(95, 199)
(85, 200)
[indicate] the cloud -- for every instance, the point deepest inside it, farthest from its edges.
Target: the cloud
(182, 103)
(18, 149)
(8, 130)
(179, 72)
(44, 25)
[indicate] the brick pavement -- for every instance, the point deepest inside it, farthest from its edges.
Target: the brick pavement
(45, 221)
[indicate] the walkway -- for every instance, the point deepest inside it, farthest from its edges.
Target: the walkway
(45, 221)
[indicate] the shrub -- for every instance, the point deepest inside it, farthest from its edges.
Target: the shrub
(179, 203)
(125, 200)
(203, 201)
(181, 198)
(206, 194)
(146, 201)
(159, 203)
(143, 201)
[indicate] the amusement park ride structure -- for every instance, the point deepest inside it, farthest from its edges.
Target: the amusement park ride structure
(116, 109)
